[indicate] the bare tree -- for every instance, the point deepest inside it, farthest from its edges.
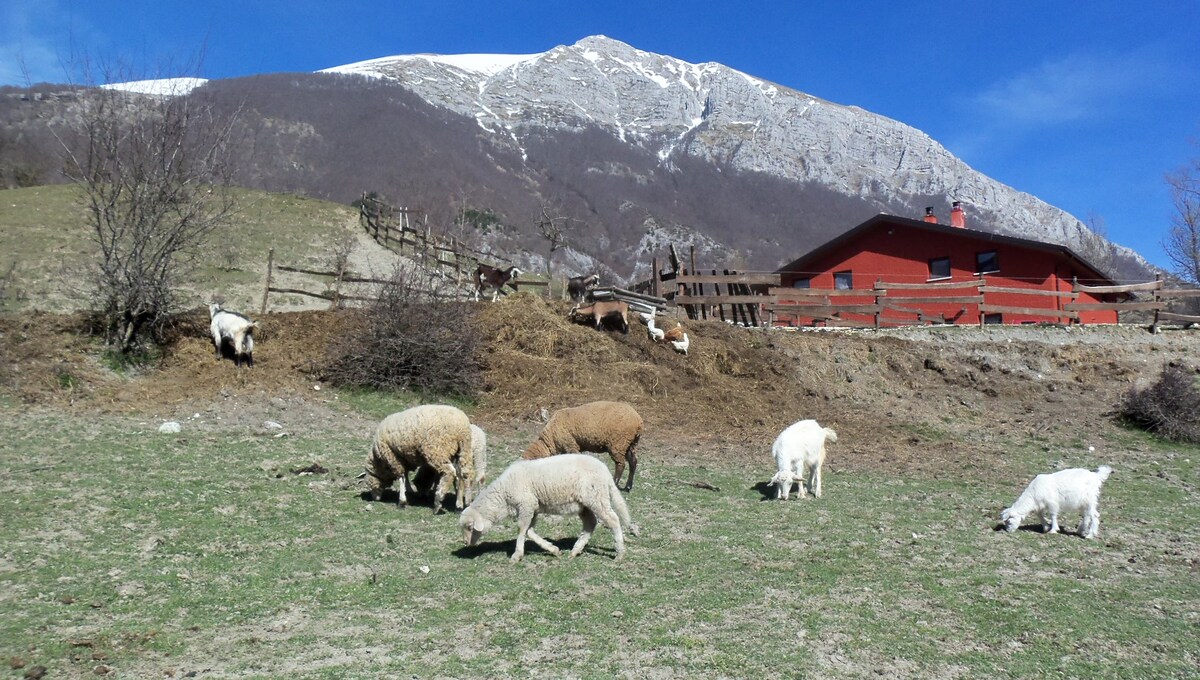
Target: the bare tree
(555, 228)
(1182, 244)
(1095, 246)
(156, 183)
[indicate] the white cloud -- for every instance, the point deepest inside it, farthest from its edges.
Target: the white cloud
(1076, 87)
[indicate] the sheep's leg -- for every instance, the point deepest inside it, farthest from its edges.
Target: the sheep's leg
(461, 491)
(631, 456)
(402, 489)
(541, 542)
(589, 525)
(814, 480)
(613, 522)
(446, 478)
(619, 471)
(524, 523)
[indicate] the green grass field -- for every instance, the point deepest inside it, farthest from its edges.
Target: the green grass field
(162, 555)
(44, 234)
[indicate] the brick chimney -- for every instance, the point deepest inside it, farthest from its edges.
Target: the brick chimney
(929, 216)
(958, 218)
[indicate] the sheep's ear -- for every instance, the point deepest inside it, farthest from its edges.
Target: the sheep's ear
(480, 524)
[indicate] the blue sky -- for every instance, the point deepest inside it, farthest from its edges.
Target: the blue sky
(1083, 104)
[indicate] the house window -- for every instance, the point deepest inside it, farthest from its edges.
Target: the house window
(987, 262)
(989, 319)
(802, 283)
(843, 280)
(939, 268)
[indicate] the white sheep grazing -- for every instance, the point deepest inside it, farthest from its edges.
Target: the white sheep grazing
(569, 484)
(479, 454)
(234, 328)
(433, 435)
(799, 453)
(1073, 490)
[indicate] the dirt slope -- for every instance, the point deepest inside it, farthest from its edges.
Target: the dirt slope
(931, 398)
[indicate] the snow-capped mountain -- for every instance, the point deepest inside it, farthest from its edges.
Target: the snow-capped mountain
(712, 112)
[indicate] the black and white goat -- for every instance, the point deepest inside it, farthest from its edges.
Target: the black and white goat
(235, 329)
(493, 277)
(578, 286)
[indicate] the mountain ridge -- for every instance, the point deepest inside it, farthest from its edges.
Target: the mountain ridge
(630, 148)
(722, 115)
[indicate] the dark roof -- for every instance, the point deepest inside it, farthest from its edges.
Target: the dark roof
(942, 229)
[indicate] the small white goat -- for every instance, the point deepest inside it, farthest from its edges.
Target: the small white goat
(1073, 490)
(799, 453)
(234, 328)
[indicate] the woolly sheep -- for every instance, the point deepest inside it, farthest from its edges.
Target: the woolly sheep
(799, 453)
(479, 457)
(237, 330)
(570, 484)
(426, 478)
(611, 427)
(1072, 490)
(435, 435)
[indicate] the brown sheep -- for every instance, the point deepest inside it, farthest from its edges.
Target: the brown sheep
(611, 427)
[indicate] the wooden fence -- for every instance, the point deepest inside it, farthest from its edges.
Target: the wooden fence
(406, 231)
(1159, 302)
(909, 301)
(758, 300)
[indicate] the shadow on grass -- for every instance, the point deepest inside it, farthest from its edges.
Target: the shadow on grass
(415, 500)
(470, 552)
(1037, 529)
(766, 489)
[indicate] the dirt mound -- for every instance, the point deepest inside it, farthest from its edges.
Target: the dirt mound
(936, 399)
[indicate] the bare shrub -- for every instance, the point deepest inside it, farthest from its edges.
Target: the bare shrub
(156, 184)
(1169, 408)
(415, 337)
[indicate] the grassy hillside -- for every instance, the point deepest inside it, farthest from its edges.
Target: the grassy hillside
(46, 242)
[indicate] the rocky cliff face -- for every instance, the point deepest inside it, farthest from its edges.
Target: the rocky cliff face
(727, 118)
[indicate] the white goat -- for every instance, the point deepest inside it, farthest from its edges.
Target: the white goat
(234, 328)
(799, 453)
(1073, 490)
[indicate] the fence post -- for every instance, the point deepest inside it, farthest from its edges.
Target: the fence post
(879, 303)
(655, 278)
(979, 307)
(337, 287)
(1157, 310)
(267, 288)
(717, 292)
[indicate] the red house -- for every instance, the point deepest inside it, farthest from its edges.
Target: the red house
(985, 277)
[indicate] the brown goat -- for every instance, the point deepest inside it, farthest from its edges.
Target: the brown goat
(598, 311)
